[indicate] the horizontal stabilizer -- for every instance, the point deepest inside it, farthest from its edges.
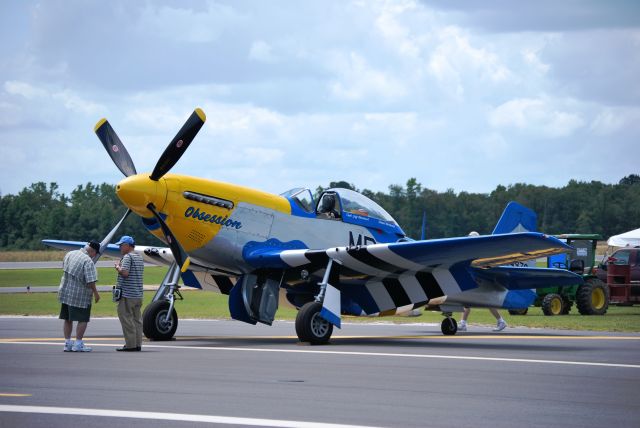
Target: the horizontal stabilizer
(523, 278)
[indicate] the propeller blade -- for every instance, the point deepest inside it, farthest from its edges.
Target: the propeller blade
(114, 147)
(179, 254)
(179, 144)
(109, 236)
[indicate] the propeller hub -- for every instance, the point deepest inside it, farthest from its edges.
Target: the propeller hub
(137, 191)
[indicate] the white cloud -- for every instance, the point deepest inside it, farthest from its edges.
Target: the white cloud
(177, 23)
(536, 116)
(24, 89)
(455, 60)
(261, 51)
(357, 80)
(611, 120)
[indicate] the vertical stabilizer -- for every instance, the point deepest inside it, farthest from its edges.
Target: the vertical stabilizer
(516, 218)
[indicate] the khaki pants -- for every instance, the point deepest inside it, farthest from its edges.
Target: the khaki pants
(131, 321)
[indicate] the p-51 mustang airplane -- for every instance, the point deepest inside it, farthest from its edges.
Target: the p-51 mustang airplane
(344, 255)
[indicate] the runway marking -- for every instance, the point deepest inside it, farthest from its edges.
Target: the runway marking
(496, 336)
(182, 417)
(353, 353)
(14, 395)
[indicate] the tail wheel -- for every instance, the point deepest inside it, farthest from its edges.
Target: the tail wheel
(552, 304)
(155, 324)
(310, 326)
(449, 326)
(592, 297)
(518, 311)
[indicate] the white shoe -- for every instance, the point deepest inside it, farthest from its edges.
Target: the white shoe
(80, 347)
(462, 326)
(68, 346)
(500, 326)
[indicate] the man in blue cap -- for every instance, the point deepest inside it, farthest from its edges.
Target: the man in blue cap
(130, 270)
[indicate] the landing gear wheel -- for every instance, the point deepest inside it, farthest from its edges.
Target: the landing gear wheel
(552, 304)
(310, 326)
(449, 326)
(154, 323)
(592, 297)
(518, 311)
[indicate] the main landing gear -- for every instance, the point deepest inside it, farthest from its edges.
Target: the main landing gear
(311, 327)
(160, 320)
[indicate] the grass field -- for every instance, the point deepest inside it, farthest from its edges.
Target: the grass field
(40, 277)
(206, 304)
(32, 256)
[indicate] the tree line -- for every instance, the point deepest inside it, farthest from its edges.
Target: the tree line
(40, 211)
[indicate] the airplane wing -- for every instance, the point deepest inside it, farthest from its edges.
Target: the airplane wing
(465, 271)
(160, 256)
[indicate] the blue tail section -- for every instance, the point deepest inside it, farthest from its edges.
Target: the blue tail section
(516, 218)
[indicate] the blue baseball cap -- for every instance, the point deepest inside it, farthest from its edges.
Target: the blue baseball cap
(125, 240)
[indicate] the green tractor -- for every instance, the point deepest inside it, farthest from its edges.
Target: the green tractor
(591, 298)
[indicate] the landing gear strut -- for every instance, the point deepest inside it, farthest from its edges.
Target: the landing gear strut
(160, 320)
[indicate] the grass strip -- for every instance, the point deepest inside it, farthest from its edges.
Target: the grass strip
(43, 277)
(207, 304)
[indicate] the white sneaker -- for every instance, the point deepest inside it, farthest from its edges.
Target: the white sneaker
(462, 326)
(80, 347)
(68, 346)
(500, 326)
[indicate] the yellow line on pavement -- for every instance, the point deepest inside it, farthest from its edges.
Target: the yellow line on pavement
(2, 394)
(341, 337)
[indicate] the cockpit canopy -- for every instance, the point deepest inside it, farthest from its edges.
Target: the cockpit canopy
(349, 206)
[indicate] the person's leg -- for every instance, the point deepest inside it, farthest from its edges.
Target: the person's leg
(137, 321)
(81, 327)
(82, 316)
(67, 328)
(462, 325)
(125, 315)
(501, 324)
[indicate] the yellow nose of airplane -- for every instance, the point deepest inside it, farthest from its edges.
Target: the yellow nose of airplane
(137, 191)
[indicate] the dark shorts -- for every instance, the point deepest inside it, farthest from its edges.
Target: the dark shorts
(73, 313)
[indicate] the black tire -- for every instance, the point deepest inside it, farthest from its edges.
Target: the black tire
(592, 297)
(311, 327)
(552, 304)
(153, 321)
(449, 326)
(518, 311)
(568, 304)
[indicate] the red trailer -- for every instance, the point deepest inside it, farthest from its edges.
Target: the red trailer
(624, 287)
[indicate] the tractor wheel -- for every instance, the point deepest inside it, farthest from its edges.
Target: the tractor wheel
(310, 326)
(568, 304)
(518, 311)
(552, 304)
(154, 321)
(592, 298)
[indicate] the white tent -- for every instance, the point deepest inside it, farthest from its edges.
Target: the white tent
(631, 239)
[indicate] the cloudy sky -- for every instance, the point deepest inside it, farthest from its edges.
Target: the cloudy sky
(464, 95)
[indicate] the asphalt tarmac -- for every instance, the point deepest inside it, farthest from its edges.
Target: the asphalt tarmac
(226, 373)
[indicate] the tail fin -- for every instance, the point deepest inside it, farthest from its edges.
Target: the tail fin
(516, 218)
